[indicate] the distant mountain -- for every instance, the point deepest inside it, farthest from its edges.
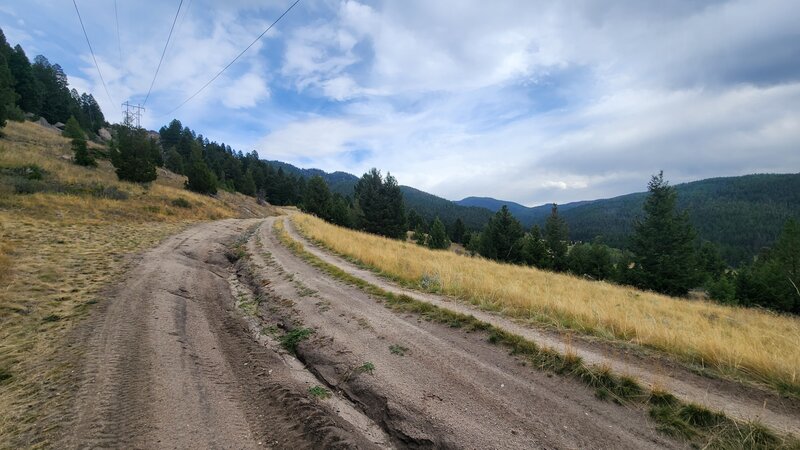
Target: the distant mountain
(526, 215)
(427, 205)
(742, 214)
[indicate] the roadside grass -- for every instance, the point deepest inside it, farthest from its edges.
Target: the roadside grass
(65, 234)
(745, 344)
(319, 392)
(702, 427)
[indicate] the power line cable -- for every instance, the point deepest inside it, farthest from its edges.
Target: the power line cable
(119, 41)
(166, 44)
(234, 59)
(97, 66)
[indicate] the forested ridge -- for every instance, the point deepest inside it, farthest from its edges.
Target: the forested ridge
(742, 214)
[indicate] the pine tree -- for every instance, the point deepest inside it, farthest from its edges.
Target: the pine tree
(82, 155)
(131, 153)
(73, 129)
(501, 239)
(663, 242)
(25, 84)
(457, 234)
(556, 236)
(199, 177)
(534, 252)
(174, 161)
(317, 199)
(379, 205)
(419, 236)
(438, 238)
(8, 96)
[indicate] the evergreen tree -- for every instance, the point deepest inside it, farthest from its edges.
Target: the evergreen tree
(419, 236)
(415, 220)
(593, 260)
(131, 155)
(248, 184)
(73, 129)
(340, 211)
(25, 84)
(8, 97)
(379, 204)
(82, 155)
(438, 238)
(501, 239)
(662, 242)
(773, 280)
(534, 252)
(174, 161)
(457, 233)
(199, 178)
(317, 199)
(556, 236)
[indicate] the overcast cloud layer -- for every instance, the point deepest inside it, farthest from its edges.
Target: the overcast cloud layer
(530, 101)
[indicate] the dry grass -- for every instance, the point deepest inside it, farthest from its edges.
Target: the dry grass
(59, 251)
(743, 343)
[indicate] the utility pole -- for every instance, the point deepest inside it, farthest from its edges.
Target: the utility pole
(132, 114)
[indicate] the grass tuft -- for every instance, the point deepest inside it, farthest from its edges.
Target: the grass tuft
(319, 392)
(290, 340)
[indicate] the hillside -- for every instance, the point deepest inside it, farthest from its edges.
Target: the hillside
(524, 214)
(427, 205)
(742, 214)
(66, 233)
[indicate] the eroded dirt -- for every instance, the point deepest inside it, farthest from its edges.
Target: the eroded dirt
(171, 364)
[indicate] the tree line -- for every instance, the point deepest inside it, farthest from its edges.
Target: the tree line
(41, 89)
(664, 255)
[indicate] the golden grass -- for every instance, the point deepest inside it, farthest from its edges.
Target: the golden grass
(58, 252)
(739, 342)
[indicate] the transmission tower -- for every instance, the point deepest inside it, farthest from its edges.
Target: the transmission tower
(132, 115)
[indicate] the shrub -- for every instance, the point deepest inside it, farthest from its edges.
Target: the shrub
(181, 202)
(82, 155)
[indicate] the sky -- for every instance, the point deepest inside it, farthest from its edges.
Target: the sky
(528, 101)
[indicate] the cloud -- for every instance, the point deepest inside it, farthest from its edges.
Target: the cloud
(531, 101)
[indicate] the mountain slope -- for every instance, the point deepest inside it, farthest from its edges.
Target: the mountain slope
(524, 214)
(742, 214)
(427, 205)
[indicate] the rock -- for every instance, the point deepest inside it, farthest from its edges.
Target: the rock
(104, 134)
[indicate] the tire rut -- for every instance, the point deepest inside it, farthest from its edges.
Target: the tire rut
(448, 387)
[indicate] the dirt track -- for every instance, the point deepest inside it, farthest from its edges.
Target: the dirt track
(743, 402)
(173, 362)
(170, 365)
(448, 388)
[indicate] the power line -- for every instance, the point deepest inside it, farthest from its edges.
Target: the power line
(166, 44)
(234, 59)
(92, 52)
(119, 41)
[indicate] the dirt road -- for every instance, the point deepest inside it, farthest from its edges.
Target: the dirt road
(432, 385)
(201, 348)
(743, 402)
(170, 365)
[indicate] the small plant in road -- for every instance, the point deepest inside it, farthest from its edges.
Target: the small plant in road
(398, 350)
(319, 392)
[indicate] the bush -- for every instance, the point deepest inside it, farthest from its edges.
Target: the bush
(181, 202)
(82, 155)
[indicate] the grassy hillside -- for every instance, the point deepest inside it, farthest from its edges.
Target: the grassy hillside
(740, 342)
(65, 234)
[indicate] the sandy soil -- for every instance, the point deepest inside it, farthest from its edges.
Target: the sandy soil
(441, 387)
(170, 364)
(737, 400)
(175, 358)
